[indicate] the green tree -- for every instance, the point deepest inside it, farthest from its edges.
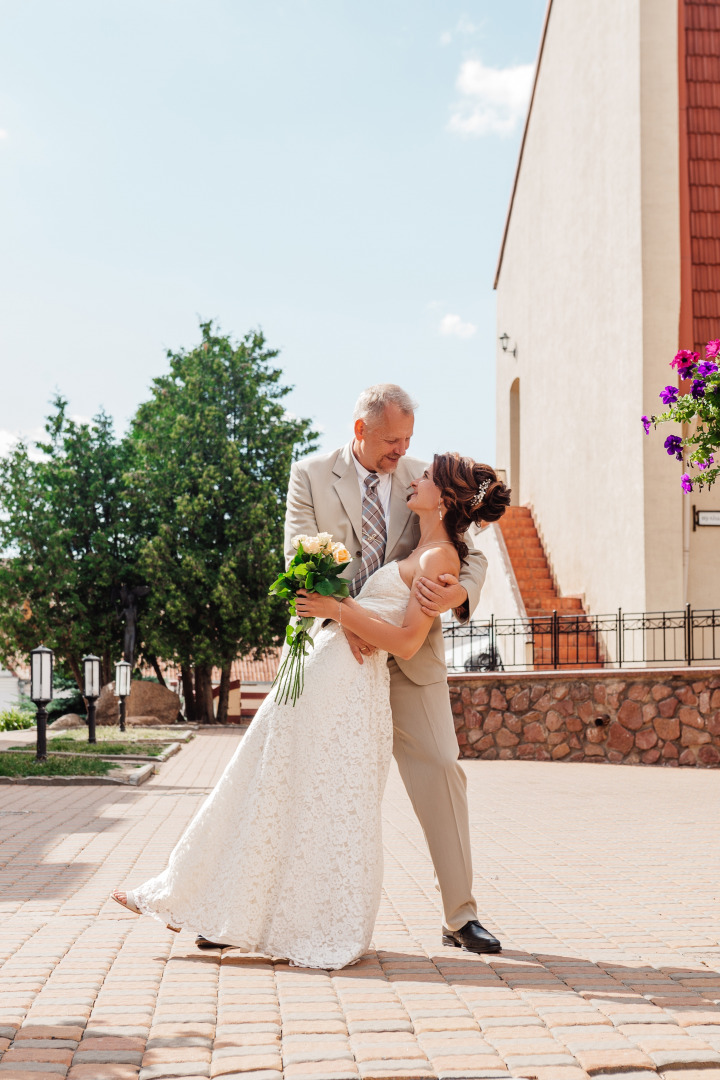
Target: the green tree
(65, 541)
(212, 454)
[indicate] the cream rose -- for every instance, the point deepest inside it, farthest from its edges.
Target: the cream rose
(340, 553)
(311, 545)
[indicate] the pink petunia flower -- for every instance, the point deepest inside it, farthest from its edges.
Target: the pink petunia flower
(683, 358)
(712, 348)
(686, 482)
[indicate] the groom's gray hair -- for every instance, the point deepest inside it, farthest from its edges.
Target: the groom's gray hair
(372, 402)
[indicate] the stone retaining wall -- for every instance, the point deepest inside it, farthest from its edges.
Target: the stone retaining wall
(650, 717)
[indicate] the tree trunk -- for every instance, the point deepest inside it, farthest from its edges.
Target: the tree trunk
(77, 674)
(203, 694)
(158, 672)
(224, 695)
(107, 673)
(188, 693)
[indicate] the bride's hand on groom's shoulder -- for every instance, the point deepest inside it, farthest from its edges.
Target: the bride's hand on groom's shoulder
(437, 597)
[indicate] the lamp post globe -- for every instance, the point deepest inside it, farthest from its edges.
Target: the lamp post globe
(123, 671)
(91, 690)
(41, 692)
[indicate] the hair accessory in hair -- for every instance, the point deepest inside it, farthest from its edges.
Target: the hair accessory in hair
(478, 498)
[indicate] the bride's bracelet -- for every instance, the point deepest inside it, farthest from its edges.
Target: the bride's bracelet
(339, 604)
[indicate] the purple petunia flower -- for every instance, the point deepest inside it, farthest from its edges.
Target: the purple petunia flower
(698, 389)
(673, 445)
(684, 361)
(705, 368)
(712, 348)
(702, 465)
(646, 422)
(669, 395)
(686, 482)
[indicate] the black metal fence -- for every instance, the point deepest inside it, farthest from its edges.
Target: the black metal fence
(649, 638)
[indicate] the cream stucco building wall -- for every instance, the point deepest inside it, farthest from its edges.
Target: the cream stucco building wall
(588, 291)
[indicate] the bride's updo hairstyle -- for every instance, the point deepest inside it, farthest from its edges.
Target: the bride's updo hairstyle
(472, 493)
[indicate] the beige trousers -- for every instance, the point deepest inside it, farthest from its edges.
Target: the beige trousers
(426, 751)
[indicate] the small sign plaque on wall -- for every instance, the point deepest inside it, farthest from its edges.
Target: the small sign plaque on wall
(705, 517)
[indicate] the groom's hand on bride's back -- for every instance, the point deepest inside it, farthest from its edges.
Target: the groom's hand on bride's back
(360, 648)
(437, 597)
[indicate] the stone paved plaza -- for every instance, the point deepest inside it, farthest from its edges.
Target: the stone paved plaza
(602, 882)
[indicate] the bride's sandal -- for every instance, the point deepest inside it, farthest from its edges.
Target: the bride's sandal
(129, 904)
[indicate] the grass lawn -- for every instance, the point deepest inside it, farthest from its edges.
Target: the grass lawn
(14, 764)
(105, 746)
(137, 736)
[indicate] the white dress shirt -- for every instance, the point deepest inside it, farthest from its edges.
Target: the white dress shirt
(384, 488)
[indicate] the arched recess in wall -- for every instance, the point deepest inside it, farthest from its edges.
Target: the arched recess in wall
(515, 441)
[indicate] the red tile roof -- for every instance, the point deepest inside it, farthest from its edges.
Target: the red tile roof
(700, 171)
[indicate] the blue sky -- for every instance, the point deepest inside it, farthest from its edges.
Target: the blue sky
(335, 173)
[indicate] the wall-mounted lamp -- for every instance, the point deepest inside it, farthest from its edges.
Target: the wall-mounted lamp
(506, 343)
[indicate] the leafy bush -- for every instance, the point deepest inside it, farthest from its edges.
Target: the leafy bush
(16, 719)
(68, 698)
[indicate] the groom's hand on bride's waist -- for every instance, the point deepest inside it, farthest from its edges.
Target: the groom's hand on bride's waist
(360, 648)
(437, 597)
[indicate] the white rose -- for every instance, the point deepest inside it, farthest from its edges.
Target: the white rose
(298, 540)
(325, 540)
(311, 545)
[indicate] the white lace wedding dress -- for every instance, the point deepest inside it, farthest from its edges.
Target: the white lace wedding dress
(285, 856)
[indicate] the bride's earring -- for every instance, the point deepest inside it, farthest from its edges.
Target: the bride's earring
(440, 510)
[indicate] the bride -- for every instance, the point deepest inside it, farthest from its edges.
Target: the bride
(285, 856)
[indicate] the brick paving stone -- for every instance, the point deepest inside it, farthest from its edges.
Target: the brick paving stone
(16, 1073)
(681, 1073)
(223, 1064)
(608, 966)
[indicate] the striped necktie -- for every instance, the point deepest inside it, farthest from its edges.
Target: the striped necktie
(374, 534)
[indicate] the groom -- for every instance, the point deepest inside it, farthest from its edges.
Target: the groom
(359, 494)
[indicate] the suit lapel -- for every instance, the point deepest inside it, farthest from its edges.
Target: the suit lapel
(348, 489)
(399, 512)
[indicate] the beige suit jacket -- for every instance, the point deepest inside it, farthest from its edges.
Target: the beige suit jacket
(324, 496)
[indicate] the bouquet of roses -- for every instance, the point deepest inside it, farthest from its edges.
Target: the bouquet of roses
(699, 407)
(316, 566)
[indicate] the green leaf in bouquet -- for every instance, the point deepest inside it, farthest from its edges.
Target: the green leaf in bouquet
(337, 568)
(301, 570)
(289, 634)
(325, 588)
(342, 588)
(310, 582)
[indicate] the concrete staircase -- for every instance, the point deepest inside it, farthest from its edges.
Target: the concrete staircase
(568, 640)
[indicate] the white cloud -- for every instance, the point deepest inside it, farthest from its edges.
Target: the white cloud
(8, 439)
(3, 133)
(464, 28)
(494, 99)
(452, 325)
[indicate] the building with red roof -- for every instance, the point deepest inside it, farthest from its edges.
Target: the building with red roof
(610, 263)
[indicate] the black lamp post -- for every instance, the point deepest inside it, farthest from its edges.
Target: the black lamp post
(91, 679)
(123, 671)
(41, 692)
